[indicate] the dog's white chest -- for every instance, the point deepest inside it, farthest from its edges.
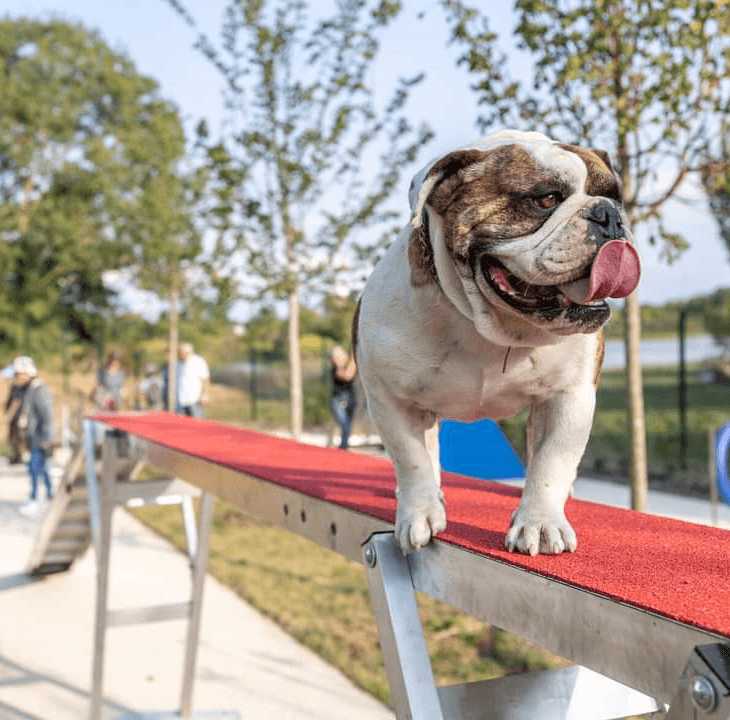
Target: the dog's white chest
(497, 384)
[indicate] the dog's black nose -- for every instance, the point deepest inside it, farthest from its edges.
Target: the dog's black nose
(606, 222)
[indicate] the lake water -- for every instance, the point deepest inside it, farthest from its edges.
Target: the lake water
(664, 352)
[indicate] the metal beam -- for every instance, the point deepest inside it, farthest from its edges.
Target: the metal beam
(154, 613)
(636, 649)
(154, 489)
(642, 650)
(571, 693)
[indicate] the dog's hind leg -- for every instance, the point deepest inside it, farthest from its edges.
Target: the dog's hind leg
(410, 436)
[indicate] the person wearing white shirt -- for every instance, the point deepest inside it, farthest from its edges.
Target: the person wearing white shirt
(194, 376)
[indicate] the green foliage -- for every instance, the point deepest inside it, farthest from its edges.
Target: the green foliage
(715, 175)
(88, 154)
(648, 80)
(289, 182)
(332, 324)
(715, 312)
(661, 321)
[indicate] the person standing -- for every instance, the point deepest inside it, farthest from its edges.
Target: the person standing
(193, 379)
(109, 391)
(149, 390)
(344, 400)
(16, 435)
(36, 416)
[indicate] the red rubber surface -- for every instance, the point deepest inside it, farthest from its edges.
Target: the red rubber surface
(677, 569)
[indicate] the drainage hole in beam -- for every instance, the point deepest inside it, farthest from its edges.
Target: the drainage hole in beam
(286, 509)
(303, 516)
(333, 529)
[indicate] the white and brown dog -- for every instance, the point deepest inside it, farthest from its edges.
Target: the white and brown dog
(489, 302)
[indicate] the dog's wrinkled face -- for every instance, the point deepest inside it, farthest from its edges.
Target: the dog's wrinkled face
(536, 227)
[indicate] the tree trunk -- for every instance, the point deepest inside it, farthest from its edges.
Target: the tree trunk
(635, 392)
(295, 365)
(632, 315)
(173, 346)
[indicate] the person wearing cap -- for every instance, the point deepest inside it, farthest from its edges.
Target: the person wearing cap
(36, 417)
(193, 378)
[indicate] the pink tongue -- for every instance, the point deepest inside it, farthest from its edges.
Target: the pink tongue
(615, 273)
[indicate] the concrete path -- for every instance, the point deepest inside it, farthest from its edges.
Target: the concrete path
(246, 664)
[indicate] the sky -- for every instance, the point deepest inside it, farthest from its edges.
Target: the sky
(160, 44)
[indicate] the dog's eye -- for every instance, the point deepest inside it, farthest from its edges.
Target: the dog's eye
(548, 201)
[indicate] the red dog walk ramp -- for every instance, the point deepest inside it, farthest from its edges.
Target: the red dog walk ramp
(632, 603)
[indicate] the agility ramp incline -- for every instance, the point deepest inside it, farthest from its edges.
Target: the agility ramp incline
(65, 530)
(644, 601)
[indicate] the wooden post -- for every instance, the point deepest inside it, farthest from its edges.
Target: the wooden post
(637, 428)
(172, 368)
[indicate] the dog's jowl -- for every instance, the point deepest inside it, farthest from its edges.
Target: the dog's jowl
(492, 300)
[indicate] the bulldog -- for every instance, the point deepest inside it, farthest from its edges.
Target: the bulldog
(492, 300)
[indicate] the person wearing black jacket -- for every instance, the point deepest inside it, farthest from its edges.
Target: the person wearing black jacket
(344, 400)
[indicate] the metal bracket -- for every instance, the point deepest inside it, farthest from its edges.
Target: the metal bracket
(407, 664)
(572, 693)
(704, 688)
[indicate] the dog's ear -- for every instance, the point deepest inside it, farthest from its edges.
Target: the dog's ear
(420, 250)
(420, 257)
(444, 169)
(605, 157)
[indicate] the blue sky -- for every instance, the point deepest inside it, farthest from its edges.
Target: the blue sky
(160, 44)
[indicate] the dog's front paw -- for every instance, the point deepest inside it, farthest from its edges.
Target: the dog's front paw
(548, 533)
(417, 521)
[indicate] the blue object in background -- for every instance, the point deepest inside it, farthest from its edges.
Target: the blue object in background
(479, 449)
(721, 451)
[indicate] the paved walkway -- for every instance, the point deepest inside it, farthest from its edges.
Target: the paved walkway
(246, 664)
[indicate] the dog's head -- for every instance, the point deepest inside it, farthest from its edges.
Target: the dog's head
(526, 227)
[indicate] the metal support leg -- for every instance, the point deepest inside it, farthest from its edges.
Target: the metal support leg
(704, 688)
(572, 693)
(106, 507)
(92, 484)
(407, 664)
(191, 532)
(200, 563)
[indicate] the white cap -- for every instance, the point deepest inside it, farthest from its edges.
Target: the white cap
(24, 364)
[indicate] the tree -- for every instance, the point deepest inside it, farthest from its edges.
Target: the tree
(716, 180)
(87, 150)
(715, 311)
(293, 183)
(644, 79)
